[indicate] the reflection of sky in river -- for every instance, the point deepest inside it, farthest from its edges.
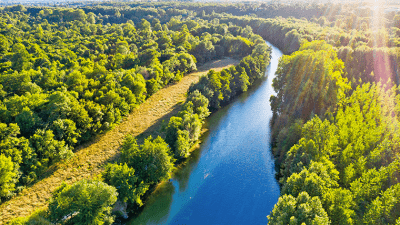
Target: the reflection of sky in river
(231, 179)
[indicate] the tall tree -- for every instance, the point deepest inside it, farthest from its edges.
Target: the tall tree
(84, 202)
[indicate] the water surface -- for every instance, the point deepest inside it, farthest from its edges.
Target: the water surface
(231, 178)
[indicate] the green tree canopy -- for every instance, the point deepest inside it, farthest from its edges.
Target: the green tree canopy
(129, 188)
(8, 177)
(84, 202)
(301, 210)
(151, 161)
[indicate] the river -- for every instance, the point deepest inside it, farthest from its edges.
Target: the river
(230, 179)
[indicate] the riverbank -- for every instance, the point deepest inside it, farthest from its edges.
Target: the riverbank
(231, 178)
(90, 158)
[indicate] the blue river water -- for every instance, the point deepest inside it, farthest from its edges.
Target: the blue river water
(230, 179)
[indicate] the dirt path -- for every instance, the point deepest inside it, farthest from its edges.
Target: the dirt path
(89, 160)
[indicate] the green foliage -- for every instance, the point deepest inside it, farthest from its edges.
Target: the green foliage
(301, 210)
(37, 218)
(8, 177)
(200, 104)
(151, 161)
(171, 132)
(48, 149)
(129, 188)
(68, 74)
(220, 87)
(314, 145)
(339, 205)
(192, 124)
(384, 209)
(84, 202)
(12, 146)
(286, 138)
(372, 182)
(307, 82)
(204, 51)
(182, 144)
(28, 121)
(359, 143)
(65, 129)
(184, 129)
(316, 180)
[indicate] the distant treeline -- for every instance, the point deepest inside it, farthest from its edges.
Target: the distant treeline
(347, 27)
(368, 57)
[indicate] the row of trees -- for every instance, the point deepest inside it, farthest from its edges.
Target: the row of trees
(220, 87)
(145, 165)
(308, 82)
(348, 16)
(337, 146)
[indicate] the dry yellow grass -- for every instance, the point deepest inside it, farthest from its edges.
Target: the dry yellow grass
(89, 160)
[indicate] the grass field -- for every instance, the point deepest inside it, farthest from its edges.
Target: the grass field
(90, 158)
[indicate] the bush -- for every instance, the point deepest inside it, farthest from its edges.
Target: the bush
(84, 202)
(7, 177)
(151, 161)
(129, 187)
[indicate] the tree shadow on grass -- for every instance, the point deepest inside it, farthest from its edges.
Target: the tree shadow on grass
(154, 130)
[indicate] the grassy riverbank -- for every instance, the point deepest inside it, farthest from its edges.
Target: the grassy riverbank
(90, 159)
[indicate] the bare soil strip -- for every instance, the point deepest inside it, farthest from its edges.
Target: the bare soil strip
(90, 158)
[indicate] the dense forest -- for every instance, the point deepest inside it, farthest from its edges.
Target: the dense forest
(68, 74)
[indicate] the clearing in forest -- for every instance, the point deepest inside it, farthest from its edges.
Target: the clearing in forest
(90, 158)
